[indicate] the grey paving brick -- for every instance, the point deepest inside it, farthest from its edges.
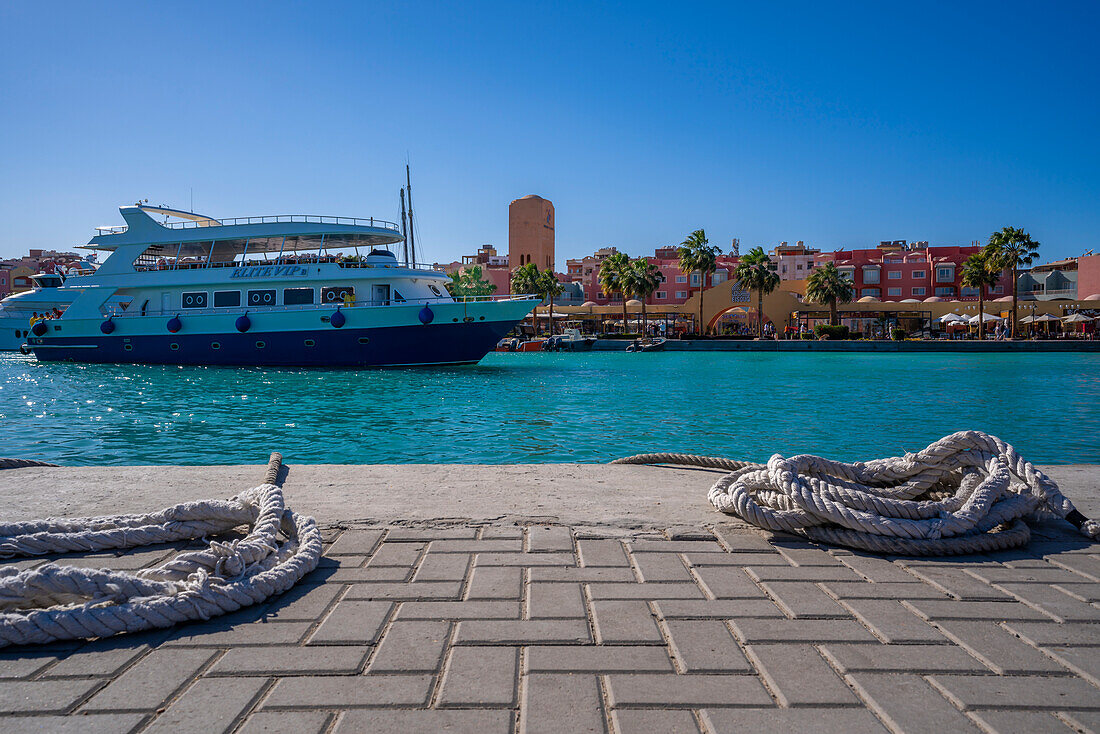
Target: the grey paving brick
(476, 546)
(400, 555)
(540, 574)
(856, 658)
(1046, 634)
(403, 721)
(804, 600)
(488, 582)
(479, 676)
(892, 622)
(443, 567)
(645, 721)
(736, 559)
(802, 553)
(715, 608)
(402, 535)
(92, 724)
(728, 582)
(524, 632)
(798, 676)
(596, 659)
(151, 681)
(783, 721)
(972, 692)
(210, 705)
(349, 691)
(693, 691)
(999, 649)
(1019, 722)
(881, 590)
(549, 539)
(1086, 565)
(44, 697)
(218, 634)
(838, 572)
(661, 567)
(417, 591)
(290, 660)
(953, 581)
(907, 704)
(688, 532)
(411, 647)
(23, 665)
(876, 569)
(933, 609)
(352, 623)
(501, 532)
(1089, 592)
(743, 539)
(645, 591)
(548, 601)
(602, 553)
(1056, 604)
(374, 573)
(1047, 574)
(541, 708)
(705, 646)
(619, 622)
(303, 603)
(1081, 660)
(526, 559)
(286, 722)
(675, 546)
(1086, 721)
(458, 610)
(756, 631)
(355, 542)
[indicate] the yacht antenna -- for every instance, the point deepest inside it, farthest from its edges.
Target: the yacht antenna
(412, 236)
(404, 231)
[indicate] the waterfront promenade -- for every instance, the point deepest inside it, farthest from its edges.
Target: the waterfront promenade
(877, 345)
(561, 598)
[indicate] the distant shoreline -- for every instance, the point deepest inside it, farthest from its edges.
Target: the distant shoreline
(881, 345)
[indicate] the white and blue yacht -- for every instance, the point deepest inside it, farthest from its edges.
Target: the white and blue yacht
(286, 290)
(47, 297)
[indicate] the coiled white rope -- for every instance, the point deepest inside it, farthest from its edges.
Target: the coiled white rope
(56, 602)
(966, 493)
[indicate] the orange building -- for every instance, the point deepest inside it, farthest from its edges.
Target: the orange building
(531, 232)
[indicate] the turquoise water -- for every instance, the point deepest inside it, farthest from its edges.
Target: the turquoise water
(518, 408)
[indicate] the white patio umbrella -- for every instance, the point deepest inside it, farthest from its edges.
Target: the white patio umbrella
(1076, 318)
(1046, 317)
(948, 317)
(1027, 319)
(984, 317)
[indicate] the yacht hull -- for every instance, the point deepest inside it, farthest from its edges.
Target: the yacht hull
(432, 344)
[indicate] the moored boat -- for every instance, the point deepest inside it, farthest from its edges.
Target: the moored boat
(262, 291)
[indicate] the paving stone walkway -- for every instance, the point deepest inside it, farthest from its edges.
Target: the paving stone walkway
(546, 628)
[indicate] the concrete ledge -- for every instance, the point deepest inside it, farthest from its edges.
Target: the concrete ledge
(793, 345)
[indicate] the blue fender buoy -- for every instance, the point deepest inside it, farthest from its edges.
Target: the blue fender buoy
(426, 315)
(338, 319)
(107, 326)
(174, 324)
(243, 322)
(39, 328)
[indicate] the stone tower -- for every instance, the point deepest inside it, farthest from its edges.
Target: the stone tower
(531, 232)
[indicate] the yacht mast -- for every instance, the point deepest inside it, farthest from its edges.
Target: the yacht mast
(404, 231)
(412, 232)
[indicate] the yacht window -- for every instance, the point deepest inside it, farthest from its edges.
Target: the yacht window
(264, 297)
(226, 299)
(194, 299)
(398, 297)
(337, 293)
(297, 296)
(435, 290)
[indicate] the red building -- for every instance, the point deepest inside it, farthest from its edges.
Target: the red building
(677, 287)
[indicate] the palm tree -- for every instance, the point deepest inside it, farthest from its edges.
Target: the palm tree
(549, 287)
(698, 256)
(643, 278)
(612, 277)
(469, 282)
(525, 281)
(828, 285)
(1012, 248)
(753, 274)
(977, 273)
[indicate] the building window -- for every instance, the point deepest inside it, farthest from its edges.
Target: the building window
(695, 278)
(945, 275)
(798, 267)
(681, 294)
(893, 291)
(661, 295)
(918, 291)
(998, 290)
(870, 275)
(968, 292)
(945, 290)
(784, 268)
(893, 274)
(718, 276)
(227, 299)
(681, 279)
(917, 274)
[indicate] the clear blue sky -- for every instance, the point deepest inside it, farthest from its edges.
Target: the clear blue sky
(836, 123)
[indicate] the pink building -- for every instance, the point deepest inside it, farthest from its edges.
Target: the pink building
(895, 271)
(677, 288)
(1088, 277)
(5, 281)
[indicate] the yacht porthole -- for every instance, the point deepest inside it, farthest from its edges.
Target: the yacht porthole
(364, 340)
(215, 345)
(309, 343)
(260, 345)
(174, 347)
(128, 347)
(455, 320)
(482, 318)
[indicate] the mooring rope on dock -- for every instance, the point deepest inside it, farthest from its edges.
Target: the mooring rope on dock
(966, 493)
(22, 463)
(57, 602)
